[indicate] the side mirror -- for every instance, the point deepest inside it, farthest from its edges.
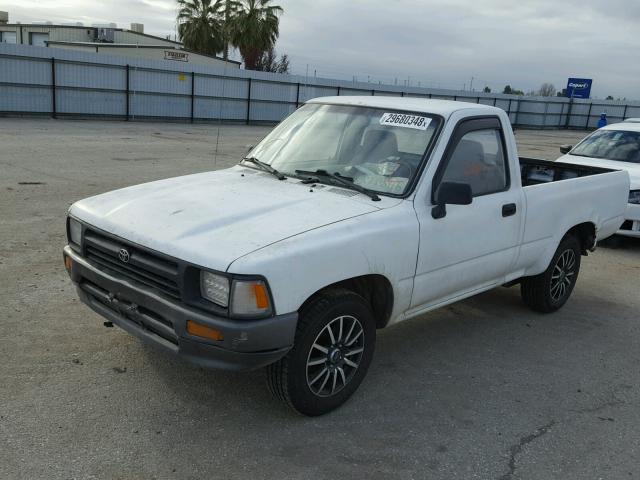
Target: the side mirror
(565, 148)
(452, 193)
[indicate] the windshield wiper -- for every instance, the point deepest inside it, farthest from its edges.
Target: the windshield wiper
(265, 167)
(345, 181)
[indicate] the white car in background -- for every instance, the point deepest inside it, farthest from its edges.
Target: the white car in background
(616, 146)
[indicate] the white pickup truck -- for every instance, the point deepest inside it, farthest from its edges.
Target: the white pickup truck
(353, 214)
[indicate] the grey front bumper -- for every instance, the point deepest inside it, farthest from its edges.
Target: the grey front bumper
(160, 322)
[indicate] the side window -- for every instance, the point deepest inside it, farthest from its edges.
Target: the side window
(479, 160)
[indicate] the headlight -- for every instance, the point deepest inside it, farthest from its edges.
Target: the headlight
(215, 288)
(250, 298)
(634, 196)
(245, 298)
(75, 231)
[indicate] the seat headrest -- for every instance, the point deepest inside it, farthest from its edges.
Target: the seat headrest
(470, 151)
(383, 141)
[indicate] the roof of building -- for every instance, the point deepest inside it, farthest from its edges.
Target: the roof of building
(412, 104)
(109, 44)
(86, 27)
(136, 45)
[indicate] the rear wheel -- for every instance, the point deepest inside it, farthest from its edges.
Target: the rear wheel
(551, 289)
(333, 348)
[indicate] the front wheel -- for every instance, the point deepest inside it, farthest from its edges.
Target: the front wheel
(551, 289)
(333, 348)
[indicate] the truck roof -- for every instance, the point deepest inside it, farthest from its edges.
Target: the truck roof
(412, 104)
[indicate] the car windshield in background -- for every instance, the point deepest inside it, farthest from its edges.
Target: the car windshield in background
(379, 149)
(617, 145)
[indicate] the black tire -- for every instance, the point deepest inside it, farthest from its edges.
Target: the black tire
(551, 289)
(291, 378)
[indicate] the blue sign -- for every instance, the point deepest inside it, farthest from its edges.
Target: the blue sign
(579, 87)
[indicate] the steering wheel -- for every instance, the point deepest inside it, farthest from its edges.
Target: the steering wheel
(364, 170)
(406, 165)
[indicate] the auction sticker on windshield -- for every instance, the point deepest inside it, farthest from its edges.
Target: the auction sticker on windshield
(405, 120)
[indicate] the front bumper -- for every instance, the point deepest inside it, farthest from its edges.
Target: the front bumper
(160, 322)
(631, 225)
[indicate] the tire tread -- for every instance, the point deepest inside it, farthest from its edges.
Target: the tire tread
(277, 373)
(534, 289)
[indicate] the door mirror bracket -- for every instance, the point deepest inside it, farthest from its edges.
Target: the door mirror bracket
(452, 193)
(565, 148)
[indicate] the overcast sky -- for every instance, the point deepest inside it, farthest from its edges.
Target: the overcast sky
(435, 42)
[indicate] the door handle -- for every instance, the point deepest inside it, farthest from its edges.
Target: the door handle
(508, 209)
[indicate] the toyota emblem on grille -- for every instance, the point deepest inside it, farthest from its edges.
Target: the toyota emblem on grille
(123, 255)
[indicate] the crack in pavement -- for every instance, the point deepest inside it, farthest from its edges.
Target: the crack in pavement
(516, 449)
(614, 401)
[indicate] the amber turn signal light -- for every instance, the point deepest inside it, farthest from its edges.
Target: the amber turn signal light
(203, 331)
(68, 263)
(262, 299)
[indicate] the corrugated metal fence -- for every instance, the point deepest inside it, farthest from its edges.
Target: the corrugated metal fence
(57, 82)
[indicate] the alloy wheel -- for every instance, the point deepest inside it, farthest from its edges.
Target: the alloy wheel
(563, 274)
(335, 356)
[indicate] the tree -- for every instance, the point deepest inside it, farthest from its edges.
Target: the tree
(547, 90)
(507, 90)
(268, 62)
(609, 97)
(486, 90)
(230, 10)
(200, 25)
(254, 29)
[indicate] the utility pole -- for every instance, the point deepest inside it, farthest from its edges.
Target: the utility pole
(471, 85)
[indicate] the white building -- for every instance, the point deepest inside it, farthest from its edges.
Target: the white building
(104, 39)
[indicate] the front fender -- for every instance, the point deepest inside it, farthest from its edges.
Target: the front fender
(384, 242)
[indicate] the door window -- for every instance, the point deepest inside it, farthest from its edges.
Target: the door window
(478, 160)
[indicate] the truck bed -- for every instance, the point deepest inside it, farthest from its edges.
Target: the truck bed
(534, 171)
(560, 196)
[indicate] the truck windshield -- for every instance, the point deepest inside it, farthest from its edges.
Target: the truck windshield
(380, 149)
(620, 145)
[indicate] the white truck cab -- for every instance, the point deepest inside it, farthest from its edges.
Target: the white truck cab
(353, 214)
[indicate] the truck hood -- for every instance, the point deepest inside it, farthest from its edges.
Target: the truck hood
(632, 168)
(211, 219)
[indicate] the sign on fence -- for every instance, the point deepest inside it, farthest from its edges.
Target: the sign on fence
(579, 87)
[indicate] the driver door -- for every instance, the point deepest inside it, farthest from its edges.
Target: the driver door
(473, 246)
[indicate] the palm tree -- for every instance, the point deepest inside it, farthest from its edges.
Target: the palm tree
(200, 25)
(254, 29)
(230, 9)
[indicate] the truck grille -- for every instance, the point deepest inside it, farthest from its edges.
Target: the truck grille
(142, 267)
(137, 315)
